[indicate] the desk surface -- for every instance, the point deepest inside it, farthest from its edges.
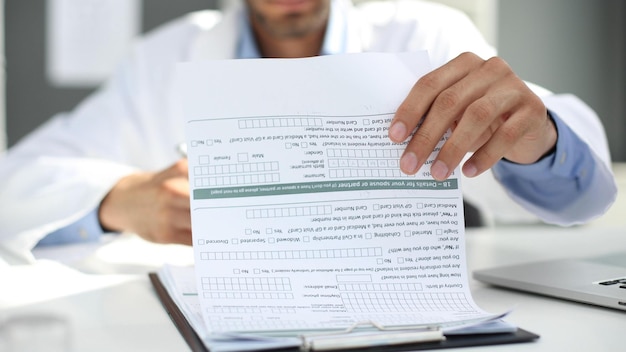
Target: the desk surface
(112, 311)
(117, 309)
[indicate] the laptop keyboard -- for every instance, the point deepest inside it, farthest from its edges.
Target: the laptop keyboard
(621, 282)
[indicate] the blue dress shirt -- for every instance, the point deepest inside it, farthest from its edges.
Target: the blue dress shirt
(85, 229)
(557, 179)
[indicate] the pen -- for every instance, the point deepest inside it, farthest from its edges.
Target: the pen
(181, 148)
(373, 339)
(351, 339)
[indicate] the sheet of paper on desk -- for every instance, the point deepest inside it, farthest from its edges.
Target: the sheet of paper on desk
(180, 284)
(301, 218)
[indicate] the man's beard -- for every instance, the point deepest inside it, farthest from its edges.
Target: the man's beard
(295, 25)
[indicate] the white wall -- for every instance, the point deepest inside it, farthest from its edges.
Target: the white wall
(572, 46)
(3, 133)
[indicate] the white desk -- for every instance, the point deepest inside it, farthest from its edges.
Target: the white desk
(107, 311)
(115, 312)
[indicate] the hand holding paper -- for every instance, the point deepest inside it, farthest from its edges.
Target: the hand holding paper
(301, 218)
(491, 110)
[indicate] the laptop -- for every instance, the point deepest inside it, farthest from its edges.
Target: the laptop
(597, 280)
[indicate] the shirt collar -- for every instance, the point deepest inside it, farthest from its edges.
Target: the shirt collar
(335, 38)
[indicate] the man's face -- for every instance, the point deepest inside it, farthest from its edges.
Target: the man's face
(285, 19)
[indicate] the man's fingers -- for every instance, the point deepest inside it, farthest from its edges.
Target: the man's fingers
(459, 88)
(173, 226)
(425, 91)
(504, 139)
(473, 97)
(182, 228)
(177, 236)
(178, 169)
(175, 192)
(480, 119)
(183, 238)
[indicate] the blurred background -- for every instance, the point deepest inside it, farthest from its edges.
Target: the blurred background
(56, 52)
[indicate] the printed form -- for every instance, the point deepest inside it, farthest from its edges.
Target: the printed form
(302, 219)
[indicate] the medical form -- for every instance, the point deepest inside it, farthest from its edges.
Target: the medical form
(301, 217)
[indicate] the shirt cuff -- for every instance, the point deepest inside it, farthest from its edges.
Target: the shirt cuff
(556, 180)
(571, 160)
(85, 229)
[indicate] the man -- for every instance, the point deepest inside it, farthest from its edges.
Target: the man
(111, 165)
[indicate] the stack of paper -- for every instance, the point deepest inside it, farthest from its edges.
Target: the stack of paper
(302, 220)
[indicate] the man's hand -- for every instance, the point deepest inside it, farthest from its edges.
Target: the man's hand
(490, 110)
(153, 205)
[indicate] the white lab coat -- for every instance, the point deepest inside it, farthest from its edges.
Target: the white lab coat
(64, 169)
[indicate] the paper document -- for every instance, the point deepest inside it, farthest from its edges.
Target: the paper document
(180, 284)
(302, 219)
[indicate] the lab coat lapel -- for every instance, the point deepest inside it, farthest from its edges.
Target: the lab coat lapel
(220, 41)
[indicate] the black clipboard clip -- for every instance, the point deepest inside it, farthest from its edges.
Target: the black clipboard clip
(352, 338)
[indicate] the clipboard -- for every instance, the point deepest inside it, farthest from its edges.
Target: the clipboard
(451, 341)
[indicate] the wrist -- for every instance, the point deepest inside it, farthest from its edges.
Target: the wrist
(553, 136)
